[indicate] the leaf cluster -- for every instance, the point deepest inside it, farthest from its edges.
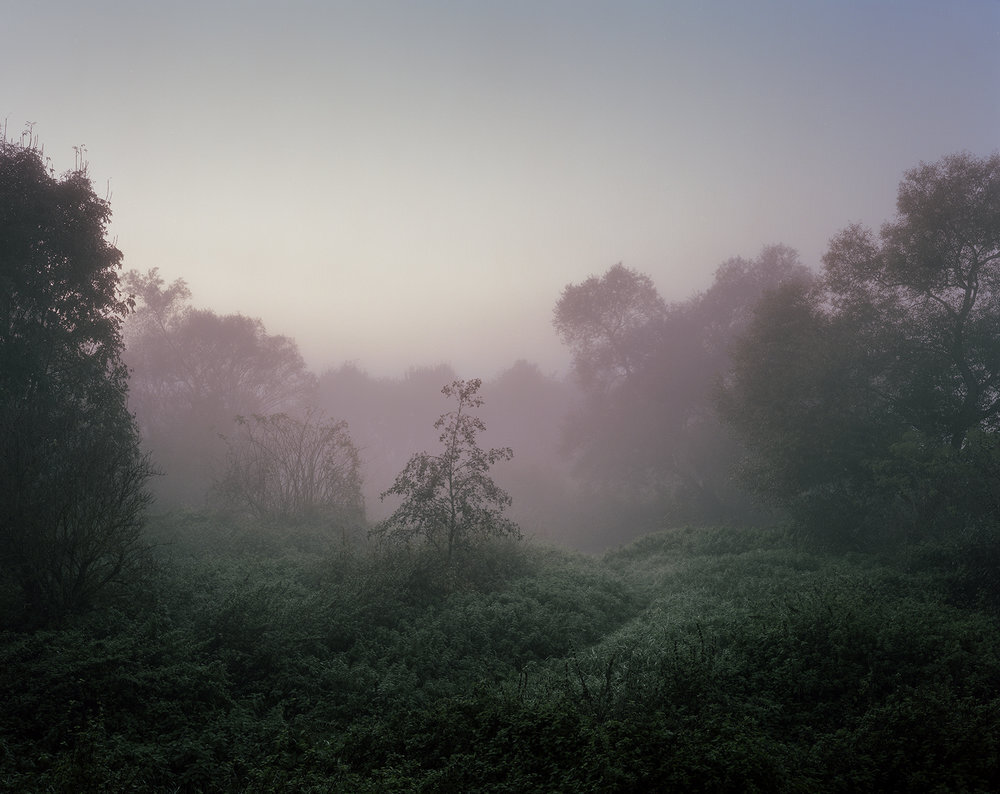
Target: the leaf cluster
(855, 391)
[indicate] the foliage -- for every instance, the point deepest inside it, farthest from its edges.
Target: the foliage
(646, 433)
(690, 660)
(195, 357)
(256, 656)
(606, 322)
(193, 372)
(449, 500)
(525, 411)
(288, 470)
(926, 297)
(795, 397)
(72, 479)
(845, 390)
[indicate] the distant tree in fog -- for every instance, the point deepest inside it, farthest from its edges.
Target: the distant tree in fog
(194, 371)
(450, 501)
(647, 433)
(796, 397)
(925, 295)
(609, 324)
(72, 478)
(288, 469)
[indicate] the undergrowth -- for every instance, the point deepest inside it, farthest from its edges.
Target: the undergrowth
(711, 660)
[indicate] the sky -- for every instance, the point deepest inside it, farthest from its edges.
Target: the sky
(414, 182)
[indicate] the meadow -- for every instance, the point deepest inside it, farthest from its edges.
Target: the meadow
(255, 658)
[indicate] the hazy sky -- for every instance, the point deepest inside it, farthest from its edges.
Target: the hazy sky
(415, 182)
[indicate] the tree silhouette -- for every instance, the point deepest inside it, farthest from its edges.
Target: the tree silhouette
(294, 469)
(869, 400)
(449, 499)
(72, 478)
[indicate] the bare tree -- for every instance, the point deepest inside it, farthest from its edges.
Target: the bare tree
(294, 470)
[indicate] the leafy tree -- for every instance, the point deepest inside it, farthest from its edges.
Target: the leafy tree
(199, 358)
(194, 371)
(926, 296)
(647, 433)
(609, 324)
(72, 478)
(797, 398)
(449, 500)
(294, 470)
(526, 411)
(842, 389)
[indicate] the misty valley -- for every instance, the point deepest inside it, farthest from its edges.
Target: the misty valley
(750, 542)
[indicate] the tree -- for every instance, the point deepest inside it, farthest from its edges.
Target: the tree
(449, 500)
(193, 372)
(841, 388)
(926, 296)
(294, 470)
(647, 433)
(797, 397)
(72, 477)
(609, 324)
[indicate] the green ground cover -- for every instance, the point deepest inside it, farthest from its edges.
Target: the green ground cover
(693, 659)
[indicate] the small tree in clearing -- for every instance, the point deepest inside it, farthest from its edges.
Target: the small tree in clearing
(449, 499)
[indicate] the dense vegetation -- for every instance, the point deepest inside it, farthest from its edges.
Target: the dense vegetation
(275, 638)
(72, 475)
(690, 660)
(869, 396)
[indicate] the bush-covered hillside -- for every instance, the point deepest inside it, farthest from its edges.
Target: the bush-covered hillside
(712, 660)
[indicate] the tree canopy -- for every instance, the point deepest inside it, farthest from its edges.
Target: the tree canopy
(841, 387)
(72, 479)
(926, 295)
(608, 323)
(647, 434)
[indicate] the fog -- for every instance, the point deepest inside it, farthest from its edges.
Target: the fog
(625, 442)
(407, 184)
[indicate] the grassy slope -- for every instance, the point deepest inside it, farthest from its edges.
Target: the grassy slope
(699, 659)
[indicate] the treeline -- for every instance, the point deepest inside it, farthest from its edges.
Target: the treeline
(868, 396)
(860, 402)
(628, 441)
(201, 383)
